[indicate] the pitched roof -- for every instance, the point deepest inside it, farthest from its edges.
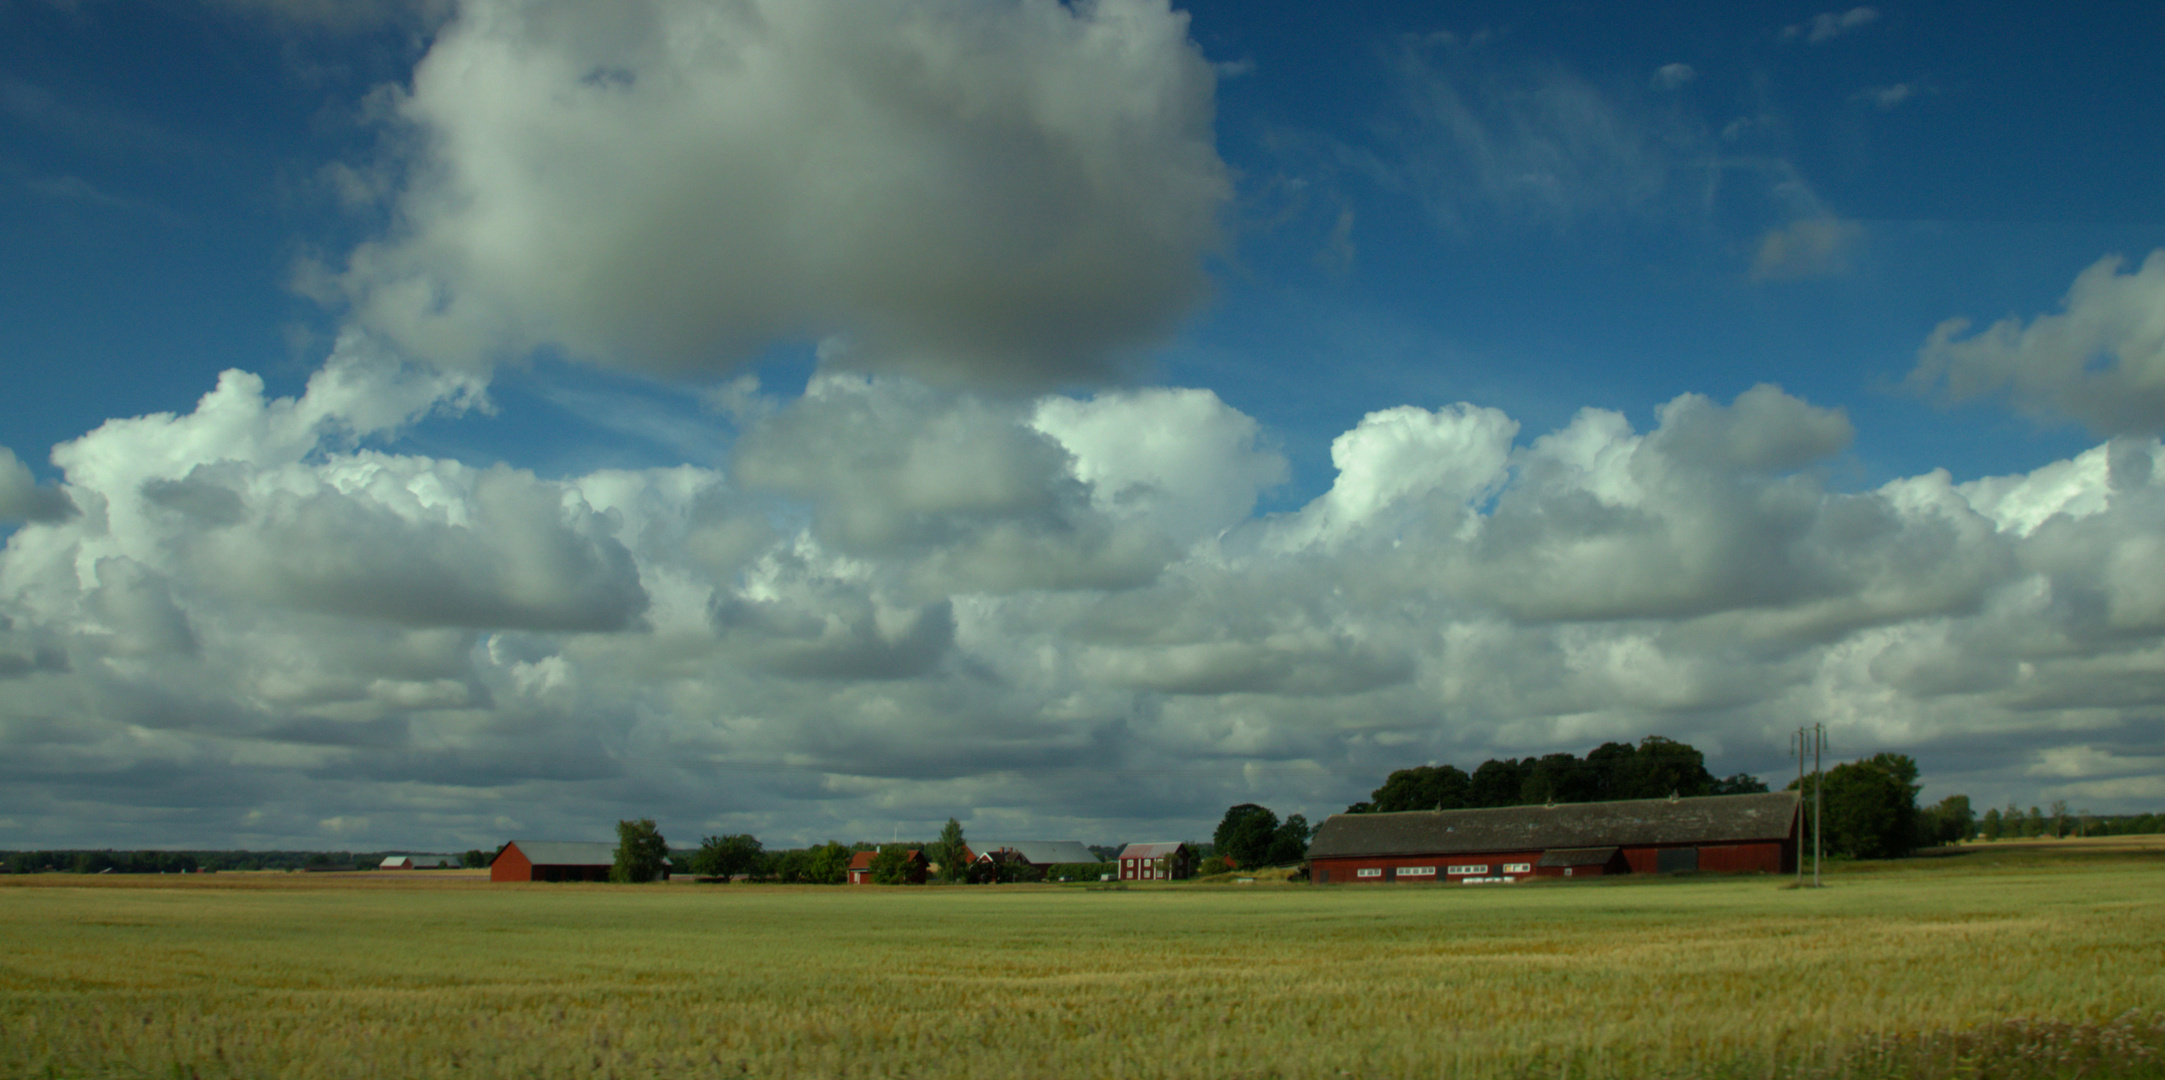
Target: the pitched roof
(862, 860)
(566, 852)
(1043, 852)
(1150, 851)
(1709, 819)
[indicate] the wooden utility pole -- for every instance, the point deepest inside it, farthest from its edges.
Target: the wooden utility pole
(1799, 747)
(1819, 783)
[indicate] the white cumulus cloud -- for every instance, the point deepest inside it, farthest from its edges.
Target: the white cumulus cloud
(1010, 192)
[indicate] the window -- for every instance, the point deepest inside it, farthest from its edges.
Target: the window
(1416, 871)
(1369, 871)
(1518, 868)
(1468, 868)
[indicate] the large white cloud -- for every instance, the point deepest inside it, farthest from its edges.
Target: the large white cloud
(898, 603)
(2099, 362)
(1013, 192)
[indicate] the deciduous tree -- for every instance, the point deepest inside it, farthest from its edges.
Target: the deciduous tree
(641, 853)
(1245, 833)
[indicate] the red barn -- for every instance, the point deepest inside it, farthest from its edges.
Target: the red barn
(1636, 836)
(553, 860)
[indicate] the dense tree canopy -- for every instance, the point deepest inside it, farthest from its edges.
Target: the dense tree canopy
(1656, 768)
(1252, 836)
(728, 856)
(1870, 807)
(641, 853)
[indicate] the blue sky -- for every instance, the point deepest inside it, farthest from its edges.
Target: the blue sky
(1072, 419)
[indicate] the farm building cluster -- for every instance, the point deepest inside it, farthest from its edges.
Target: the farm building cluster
(1722, 833)
(556, 860)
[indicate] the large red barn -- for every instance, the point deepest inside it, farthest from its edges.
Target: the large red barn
(1637, 836)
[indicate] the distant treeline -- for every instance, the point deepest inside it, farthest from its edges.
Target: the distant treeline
(743, 856)
(1654, 769)
(2013, 824)
(109, 861)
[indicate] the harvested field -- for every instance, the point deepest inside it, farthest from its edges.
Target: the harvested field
(2000, 961)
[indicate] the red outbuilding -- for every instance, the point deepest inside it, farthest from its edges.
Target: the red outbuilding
(860, 868)
(553, 860)
(1637, 836)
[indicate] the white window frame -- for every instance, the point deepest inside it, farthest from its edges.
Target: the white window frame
(1467, 869)
(1416, 871)
(1369, 872)
(1518, 868)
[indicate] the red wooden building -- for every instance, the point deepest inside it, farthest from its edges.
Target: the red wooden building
(553, 860)
(860, 868)
(1156, 862)
(1637, 836)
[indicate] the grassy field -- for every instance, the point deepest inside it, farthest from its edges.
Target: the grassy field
(2046, 960)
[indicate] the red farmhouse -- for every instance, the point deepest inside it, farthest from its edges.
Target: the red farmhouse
(1156, 862)
(1638, 836)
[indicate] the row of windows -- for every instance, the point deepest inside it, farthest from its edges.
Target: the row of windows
(1459, 870)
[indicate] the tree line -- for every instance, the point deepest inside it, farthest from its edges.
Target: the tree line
(642, 854)
(1654, 769)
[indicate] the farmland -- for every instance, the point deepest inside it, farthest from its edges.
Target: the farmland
(2037, 961)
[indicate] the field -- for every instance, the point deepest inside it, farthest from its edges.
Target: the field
(2038, 960)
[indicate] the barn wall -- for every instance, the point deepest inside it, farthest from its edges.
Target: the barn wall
(1765, 858)
(511, 866)
(1347, 870)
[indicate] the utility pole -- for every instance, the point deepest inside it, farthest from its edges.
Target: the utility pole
(1798, 746)
(1819, 783)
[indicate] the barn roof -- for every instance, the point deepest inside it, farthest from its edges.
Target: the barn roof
(566, 852)
(863, 860)
(1705, 820)
(1150, 851)
(1045, 852)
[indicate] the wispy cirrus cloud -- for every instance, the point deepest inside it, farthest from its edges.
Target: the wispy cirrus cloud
(1827, 26)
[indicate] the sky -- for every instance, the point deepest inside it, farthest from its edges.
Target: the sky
(430, 423)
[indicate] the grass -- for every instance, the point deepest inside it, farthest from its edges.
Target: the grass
(1993, 962)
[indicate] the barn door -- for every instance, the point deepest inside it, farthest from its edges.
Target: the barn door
(1676, 860)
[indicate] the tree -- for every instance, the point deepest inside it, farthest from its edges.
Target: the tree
(1289, 843)
(1423, 787)
(2059, 819)
(1740, 784)
(948, 852)
(1950, 821)
(1870, 807)
(1498, 782)
(641, 853)
(727, 856)
(1559, 778)
(474, 859)
(1663, 767)
(1245, 834)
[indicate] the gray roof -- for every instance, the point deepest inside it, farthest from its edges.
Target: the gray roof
(1043, 852)
(1150, 851)
(566, 852)
(422, 861)
(1711, 819)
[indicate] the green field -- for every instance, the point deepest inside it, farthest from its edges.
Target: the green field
(2041, 961)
